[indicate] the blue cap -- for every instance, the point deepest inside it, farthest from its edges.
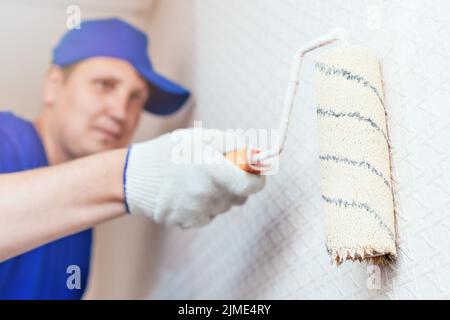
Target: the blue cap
(115, 38)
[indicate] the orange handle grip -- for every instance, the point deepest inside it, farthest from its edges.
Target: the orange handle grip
(239, 158)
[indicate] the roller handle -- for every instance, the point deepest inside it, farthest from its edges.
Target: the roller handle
(239, 158)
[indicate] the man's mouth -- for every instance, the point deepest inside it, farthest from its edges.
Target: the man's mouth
(107, 134)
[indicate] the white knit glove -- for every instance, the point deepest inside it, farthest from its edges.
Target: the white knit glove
(182, 178)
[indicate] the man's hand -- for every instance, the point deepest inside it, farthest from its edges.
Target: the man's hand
(182, 178)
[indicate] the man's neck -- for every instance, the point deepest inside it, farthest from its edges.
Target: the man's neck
(55, 154)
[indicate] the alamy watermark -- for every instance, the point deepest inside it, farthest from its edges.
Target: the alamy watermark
(198, 146)
(374, 14)
(73, 281)
(73, 20)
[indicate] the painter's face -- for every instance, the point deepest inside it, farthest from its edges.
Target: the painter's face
(97, 107)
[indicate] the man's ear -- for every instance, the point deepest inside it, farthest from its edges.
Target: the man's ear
(53, 82)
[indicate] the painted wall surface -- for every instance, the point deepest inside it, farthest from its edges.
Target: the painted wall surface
(273, 247)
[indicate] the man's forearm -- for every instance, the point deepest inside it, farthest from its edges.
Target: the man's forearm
(42, 205)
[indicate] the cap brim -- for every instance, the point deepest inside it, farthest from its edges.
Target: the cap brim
(166, 97)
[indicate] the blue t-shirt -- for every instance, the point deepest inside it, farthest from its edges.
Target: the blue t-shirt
(49, 271)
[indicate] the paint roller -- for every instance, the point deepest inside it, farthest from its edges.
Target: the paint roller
(354, 156)
(355, 174)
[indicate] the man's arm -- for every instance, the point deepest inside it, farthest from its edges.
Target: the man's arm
(42, 205)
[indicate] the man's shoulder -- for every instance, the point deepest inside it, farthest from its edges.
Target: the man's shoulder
(20, 146)
(10, 122)
(14, 128)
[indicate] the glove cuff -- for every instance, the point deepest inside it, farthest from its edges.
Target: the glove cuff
(142, 178)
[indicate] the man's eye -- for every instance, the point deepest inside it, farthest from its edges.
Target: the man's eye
(103, 84)
(136, 97)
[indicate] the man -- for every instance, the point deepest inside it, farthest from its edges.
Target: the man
(94, 93)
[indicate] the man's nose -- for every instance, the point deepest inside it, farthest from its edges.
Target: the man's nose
(118, 105)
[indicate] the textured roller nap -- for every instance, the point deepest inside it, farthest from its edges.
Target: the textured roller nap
(354, 157)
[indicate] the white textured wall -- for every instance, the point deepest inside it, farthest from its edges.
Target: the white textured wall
(273, 247)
